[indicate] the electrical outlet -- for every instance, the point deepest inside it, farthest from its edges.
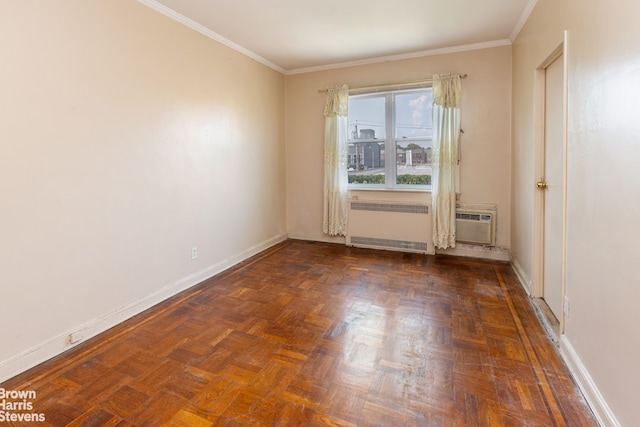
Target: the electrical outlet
(194, 252)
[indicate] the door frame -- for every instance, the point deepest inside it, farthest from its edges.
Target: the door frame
(539, 170)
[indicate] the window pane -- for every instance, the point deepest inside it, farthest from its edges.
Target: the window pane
(366, 139)
(413, 114)
(413, 162)
(366, 117)
(413, 130)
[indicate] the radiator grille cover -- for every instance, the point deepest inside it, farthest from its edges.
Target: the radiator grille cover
(388, 243)
(390, 207)
(390, 225)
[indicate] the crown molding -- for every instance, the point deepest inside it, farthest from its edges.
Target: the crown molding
(430, 52)
(208, 33)
(523, 19)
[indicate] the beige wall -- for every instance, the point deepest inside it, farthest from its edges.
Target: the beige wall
(126, 139)
(485, 121)
(603, 262)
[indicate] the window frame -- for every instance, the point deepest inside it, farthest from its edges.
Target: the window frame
(390, 141)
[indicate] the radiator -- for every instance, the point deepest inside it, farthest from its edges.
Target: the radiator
(396, 226)
(476, 227)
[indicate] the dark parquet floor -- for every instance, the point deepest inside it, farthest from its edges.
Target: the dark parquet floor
(314, 334)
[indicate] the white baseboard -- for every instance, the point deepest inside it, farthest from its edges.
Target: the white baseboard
(318, 238)
(461, 249)
(476, 251)
(591, 393)
(522, 277)
(59, 344)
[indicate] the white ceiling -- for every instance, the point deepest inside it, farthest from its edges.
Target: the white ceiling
(303, 35)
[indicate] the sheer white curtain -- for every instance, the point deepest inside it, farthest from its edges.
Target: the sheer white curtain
(335, 161)
(447, 94)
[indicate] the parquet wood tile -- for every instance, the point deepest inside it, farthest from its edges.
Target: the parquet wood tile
(314, 334)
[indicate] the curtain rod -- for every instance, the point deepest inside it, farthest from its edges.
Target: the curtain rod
(390, 85)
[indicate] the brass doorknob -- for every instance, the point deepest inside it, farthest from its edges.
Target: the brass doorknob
(541, 184)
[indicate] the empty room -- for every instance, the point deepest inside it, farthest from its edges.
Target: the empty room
(319, 213)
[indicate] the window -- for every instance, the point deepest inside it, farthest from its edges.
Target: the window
(390, 139)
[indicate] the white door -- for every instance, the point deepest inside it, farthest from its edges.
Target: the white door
(553, 193)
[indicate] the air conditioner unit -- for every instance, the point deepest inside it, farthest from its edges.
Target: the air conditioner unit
(476, 227)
